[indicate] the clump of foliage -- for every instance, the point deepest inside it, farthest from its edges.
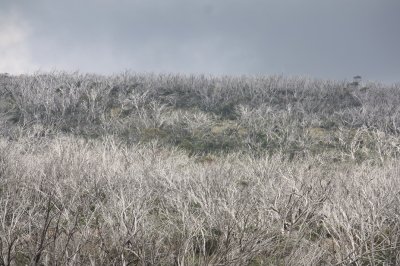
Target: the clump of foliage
(145, 169)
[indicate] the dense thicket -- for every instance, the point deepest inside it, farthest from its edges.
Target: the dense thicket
(207, 114)
(145, 169)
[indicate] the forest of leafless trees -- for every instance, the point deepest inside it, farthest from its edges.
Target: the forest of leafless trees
(162, 169)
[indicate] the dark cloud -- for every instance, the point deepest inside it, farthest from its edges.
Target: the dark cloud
(328, 39)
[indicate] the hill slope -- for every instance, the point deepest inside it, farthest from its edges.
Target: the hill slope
(194, 170)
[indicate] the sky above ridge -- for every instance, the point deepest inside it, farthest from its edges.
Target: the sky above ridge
(330, 39)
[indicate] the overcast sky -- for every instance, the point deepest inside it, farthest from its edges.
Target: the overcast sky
(334, 39)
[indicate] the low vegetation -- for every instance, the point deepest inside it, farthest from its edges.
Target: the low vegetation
(145, 169)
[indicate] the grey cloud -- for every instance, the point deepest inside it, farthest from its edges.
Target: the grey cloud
(328, 39)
